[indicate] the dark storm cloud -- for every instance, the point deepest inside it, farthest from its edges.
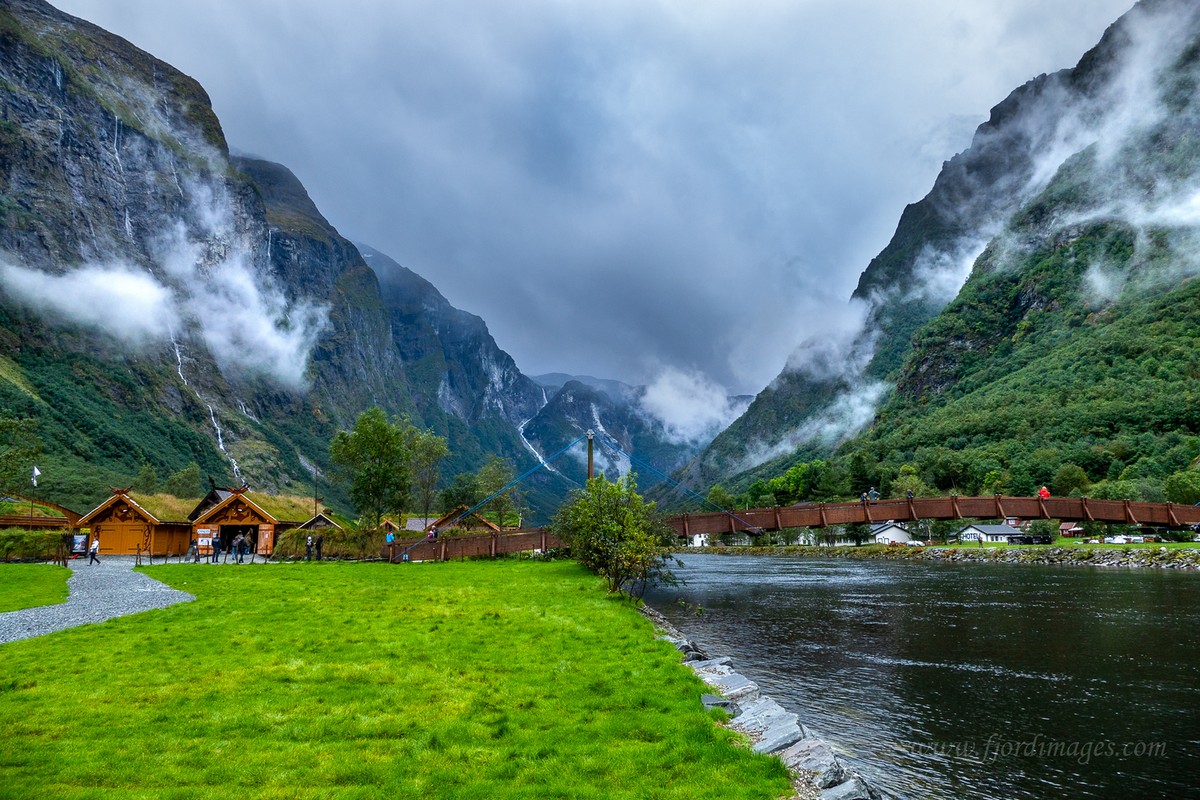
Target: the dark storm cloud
(617, 187)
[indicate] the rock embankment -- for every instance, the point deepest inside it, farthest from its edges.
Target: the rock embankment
(821, 774)
(1155, 557)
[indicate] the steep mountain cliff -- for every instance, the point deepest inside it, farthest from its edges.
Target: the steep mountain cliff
(164, 302)
(1073, 193)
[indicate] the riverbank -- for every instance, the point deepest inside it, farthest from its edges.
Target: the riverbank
(1079, 555)
(818, 773)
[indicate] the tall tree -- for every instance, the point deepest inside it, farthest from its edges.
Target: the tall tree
(428, 451)
(462, 492)
(374, 462)
(147, 479)
(185, 482)
(493, 476)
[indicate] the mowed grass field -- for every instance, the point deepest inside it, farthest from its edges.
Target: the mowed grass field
(505, 679)
(29, 585)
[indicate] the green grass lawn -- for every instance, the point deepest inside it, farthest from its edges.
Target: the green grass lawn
(29, 585)
(462, 680)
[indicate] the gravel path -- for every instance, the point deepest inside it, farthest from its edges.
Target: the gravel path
(98, 592)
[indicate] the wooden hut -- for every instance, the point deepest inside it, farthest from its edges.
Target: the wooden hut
(225, 513)
(129, 523)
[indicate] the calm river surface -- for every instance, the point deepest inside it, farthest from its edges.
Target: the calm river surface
(968, 681)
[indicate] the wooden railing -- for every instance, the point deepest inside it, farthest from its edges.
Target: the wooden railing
(819, 515)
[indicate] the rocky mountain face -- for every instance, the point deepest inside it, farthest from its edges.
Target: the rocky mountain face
(1075, 191)
(164, 302)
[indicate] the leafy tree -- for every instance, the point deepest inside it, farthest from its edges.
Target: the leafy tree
(721, 498)
(1069, 478)
(374, 462)
(185, 482)
(1183, 487)
(463, 491)
(909, 481)
(19, 446)
(494, 476)
(428, 451)
(1043, 527)
(617, 535)
(858, 532)
(147, 479)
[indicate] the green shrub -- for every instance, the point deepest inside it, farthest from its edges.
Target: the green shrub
(18, 544)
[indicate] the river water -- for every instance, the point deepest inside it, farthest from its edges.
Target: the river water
(966, 680)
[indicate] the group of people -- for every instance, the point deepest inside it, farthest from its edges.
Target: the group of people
(310, 543)
(238, 548)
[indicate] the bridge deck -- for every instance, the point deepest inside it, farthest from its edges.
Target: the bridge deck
(819, 515)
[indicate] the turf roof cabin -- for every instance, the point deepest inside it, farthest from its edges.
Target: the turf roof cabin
(224, 513)
(327, 519)
(470, 523)
(130, 522)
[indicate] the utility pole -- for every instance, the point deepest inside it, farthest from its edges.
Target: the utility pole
(591, 464)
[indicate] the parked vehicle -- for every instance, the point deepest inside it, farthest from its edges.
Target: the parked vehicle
(1026, 538)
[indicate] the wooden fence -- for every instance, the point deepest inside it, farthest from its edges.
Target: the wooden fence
(448, 547)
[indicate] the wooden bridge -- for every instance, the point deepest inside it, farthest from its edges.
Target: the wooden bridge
(820, 515)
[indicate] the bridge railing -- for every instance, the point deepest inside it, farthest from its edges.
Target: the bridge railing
(820, 515)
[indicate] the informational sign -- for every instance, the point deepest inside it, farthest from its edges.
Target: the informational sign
(205, 541)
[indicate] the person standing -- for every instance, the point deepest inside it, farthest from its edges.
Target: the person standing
(308, 548)
(320, 544)
(216, 549)
(94, 551)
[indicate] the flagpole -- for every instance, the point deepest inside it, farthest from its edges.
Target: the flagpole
(33, 478)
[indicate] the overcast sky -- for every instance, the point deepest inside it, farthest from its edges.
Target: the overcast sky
(617, 186)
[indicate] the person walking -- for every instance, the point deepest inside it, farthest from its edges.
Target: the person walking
(94, 551)
(238, 543)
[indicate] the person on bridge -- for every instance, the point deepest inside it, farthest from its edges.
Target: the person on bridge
(1044, 493)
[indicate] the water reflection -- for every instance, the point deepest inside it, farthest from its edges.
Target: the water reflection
(969, 681)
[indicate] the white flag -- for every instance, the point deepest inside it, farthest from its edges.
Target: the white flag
(36, 472)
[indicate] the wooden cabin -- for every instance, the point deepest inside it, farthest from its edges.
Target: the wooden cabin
(129, 523)
(225, 513)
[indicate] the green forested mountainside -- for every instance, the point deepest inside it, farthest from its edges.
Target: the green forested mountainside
(1110, 142)
(1069, 356)
(1094, 403)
